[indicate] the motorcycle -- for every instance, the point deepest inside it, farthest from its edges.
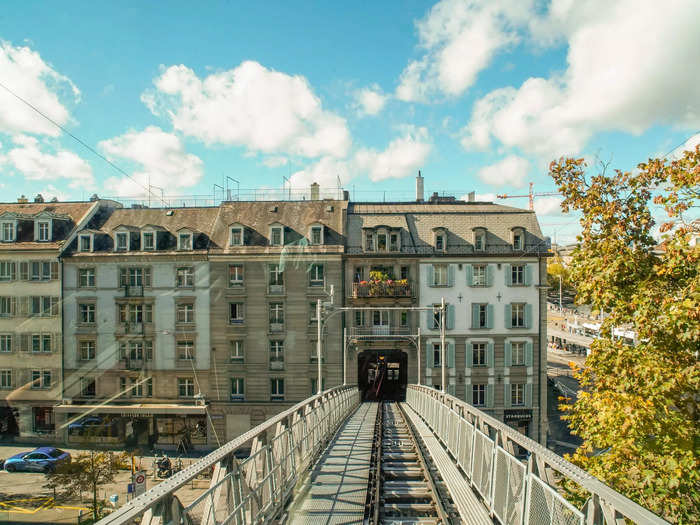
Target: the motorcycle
(164, 467)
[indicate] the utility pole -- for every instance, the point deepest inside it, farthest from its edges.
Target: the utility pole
(418, 354)
(345, 356)
(442, 344)
(319, 384)
(560, 308)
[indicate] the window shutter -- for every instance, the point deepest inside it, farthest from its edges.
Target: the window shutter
(489, 396)
(13, 306)
(13, 271)
(470, 275)
(22, 308)
(528, 316)
(475, 316)
(147, 277)
(469, 355)
(489, 355)
(36, 230)
(429, 320)
(489, 316)
(528, 354)
(528, 274)
(431, 278)
(450, 316)
(451, 389)
(508, 354)
(56, 343)
(24, 271)
(506, 395)
(451, 355)
(508, 274)
(24, 343)
(509, 319)
(429, 356)
(54, 306)
(54, 270)
(450, 275)
(489, 275)
(528, 395)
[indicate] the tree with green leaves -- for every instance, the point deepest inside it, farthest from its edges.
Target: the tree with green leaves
(86, 472)
(639, 403)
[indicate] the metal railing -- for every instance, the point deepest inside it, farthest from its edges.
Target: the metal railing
(254, 489)
(381, 330)
(514, 491)
(381, 289)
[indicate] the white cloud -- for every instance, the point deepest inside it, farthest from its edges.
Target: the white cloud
(161, 159)
(688, 145)
(26, 74)
(34, 164)
(52, 191)
(250, 106)
(402, 157)
(275, 162)
(325, 172)
(512, 171)
(480, 197)
(370, 100)
(548, 205)
(627, 70)
(460, 40)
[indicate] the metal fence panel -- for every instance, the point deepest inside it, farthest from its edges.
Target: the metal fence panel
(481, 468)
(453, 436)
(545, 506)
(508, 499)
(464, 458)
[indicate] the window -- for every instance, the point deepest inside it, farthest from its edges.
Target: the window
(237, 389)
(235, 275)
(276, 355)
(7, 271)
(46, 343)
(394, 242)
(185, 386)
(517, 353)
(314, 383)
(86, 278)
(5, 343)
(436, 355)
(138, 387)
(517, 394)
(136, 350)
(369, 242)
(87, 350)
(40, 271)
(7, 306)
(316, 235)
(316, 275)
(517, 240)
(380, 318)
(381, 241)
(43, 231)
(236, 314)
(479, 354)
(360, 318)
(440, 274)
(8, 231)
(312, 313)
(85, 243)
(404, 272)
(481, 317)
(148, 241)
(479, 275)
(276, 236)
(359, 274)
(43, 306)
(6, 378)
(237, 236)
(184, 241)
(185, 313)
(517, 315)
(237, 355)
(403, 318)
(479, 395)
(135, 276)
(135, 313)
(87, 387)
(276, 313)
(41, 379)
(276, 278)
(86, 312)
(184, 277)
(122, 241)
(480, 241)
(440, 241)
(277, 389)
(185, 349)
(436, 316)
(517, 273)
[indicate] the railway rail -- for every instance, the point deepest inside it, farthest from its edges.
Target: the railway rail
(404, 487)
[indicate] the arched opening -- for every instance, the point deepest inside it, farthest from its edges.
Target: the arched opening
(382, 375)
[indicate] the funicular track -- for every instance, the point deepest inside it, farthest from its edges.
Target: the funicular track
(402, 487)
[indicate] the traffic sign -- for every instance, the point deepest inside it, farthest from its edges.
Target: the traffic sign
(139, 483)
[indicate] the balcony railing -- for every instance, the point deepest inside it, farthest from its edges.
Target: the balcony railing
(381, 289)
(275, 289)
(276, 326)
(133, 290)
(382, 331)
(133, 328)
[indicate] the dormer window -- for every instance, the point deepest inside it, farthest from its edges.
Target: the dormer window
(518, 239)
(121, 241)
(276, 235)
(381, 241)
(480, 240)
(236, 236)
(184, 241)
(440, 239)
(8, 231)
(148, 241)
(316, 235)
(369, 241)
(43, 231)
(85, 243)
(394, 242)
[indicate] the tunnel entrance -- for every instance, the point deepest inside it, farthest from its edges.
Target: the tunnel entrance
(382, 375)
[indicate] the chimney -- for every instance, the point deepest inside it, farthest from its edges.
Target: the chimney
(419, 187)
(22, 200)
(471, 196)
(315, 191)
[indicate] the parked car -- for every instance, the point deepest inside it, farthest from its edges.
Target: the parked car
(42, 459)
(91, 425)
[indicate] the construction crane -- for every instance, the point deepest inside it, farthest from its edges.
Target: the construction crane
(530, 195)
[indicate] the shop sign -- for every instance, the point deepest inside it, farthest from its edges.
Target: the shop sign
(517, 415)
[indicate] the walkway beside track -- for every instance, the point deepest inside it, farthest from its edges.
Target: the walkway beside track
(338, 484)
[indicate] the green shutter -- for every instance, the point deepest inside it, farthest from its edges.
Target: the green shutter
(509, 318)
(429, 319)
(451, 389)
(23, 271)
(508, 274)
(429, 355)
(528, 353)
(431, 278)
(489, 396)
(506, 395)
(528, 274)
(475, 316)
(489, 316)
(489, 355)
(13, 271)
(489, 275)
(450, 317)
(470, 277)
(528, 316)
(451, 355)
(450, 275)
(528, 395)
(508, 359)
(469, 355)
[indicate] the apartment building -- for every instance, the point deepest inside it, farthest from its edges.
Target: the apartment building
(31, 238)
(136, 323)
(270, 263)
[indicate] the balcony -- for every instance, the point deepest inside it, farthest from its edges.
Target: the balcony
(276, 326)
(276, 364)
(388, 289)
(133, 364)
(275, 289)
(132, 328)
(380, 331)
(133, 290)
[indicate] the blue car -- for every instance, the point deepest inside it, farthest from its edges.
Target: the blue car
(42, 459)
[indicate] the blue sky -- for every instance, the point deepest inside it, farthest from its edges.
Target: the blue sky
(479, 95)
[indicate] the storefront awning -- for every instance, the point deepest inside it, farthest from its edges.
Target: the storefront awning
(136, 410)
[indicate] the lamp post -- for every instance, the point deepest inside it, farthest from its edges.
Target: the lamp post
(318, 345)
(442, 344)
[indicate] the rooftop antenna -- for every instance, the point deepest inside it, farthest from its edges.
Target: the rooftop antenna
(238, 188)
(222, 191)
(149, 192)
(289, 186)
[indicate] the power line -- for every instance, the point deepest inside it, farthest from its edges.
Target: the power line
(682, 142)
(84, 144)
